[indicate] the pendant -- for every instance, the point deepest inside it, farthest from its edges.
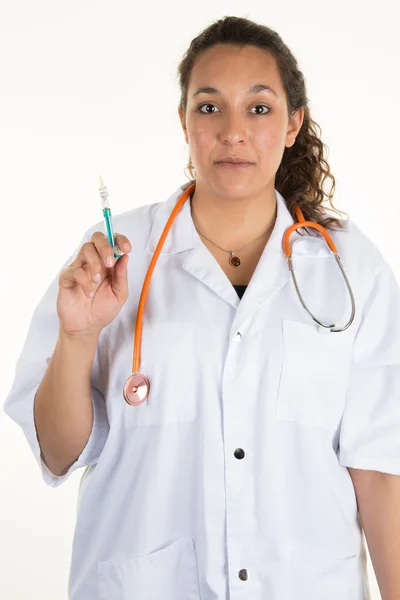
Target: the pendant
(235, 261)
(136, 389)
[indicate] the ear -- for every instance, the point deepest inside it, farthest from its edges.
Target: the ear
(183, 123)
(295, 123)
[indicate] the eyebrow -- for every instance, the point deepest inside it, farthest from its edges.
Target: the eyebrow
(254, 89)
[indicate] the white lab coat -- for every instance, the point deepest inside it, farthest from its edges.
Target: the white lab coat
(236, 463)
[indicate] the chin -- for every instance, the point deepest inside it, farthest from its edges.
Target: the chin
(231, 186)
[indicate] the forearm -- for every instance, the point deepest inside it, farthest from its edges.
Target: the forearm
(379, 507)
(63, 409)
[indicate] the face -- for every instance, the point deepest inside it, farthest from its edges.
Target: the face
(232, 121)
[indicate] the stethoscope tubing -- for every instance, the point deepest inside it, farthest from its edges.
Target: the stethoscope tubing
(137, 386)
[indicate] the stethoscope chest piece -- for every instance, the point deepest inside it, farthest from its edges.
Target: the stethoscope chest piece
(136, 389)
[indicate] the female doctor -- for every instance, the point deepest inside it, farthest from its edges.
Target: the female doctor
(256, 441)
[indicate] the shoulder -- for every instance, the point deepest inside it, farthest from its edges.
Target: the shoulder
(135, 224)
(353, 244)
(362, 260)
(137, 221)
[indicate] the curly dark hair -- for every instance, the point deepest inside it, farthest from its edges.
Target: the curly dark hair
(303, 168)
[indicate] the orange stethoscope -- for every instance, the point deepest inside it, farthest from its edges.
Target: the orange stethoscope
(137, 386)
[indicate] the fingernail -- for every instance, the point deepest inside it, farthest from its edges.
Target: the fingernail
(97, 278)
(126, 247)
(110, 261)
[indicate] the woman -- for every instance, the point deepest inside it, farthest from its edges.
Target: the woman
(236, 477)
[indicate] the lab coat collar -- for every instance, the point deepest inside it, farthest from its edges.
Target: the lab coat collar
(269, 276)
(183, 235)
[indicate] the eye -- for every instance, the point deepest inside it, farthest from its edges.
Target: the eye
(201, 106)
(212, 105)
(262, 106)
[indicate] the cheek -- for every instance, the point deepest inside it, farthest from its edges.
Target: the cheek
(270, 145)
(269, 138)
(201, 141)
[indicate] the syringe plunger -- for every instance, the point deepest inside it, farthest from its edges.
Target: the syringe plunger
(103, 194)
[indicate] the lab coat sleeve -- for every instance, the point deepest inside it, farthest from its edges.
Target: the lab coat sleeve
(370, 428)
(30, 369)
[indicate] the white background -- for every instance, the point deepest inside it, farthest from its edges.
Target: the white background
(90, 87)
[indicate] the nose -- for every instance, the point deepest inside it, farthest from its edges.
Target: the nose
(232, 129)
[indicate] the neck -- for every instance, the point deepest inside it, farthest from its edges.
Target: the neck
(233, 221)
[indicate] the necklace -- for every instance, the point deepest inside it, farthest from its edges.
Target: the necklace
(233, 259)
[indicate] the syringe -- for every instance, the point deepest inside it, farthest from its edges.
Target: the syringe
(107, 218)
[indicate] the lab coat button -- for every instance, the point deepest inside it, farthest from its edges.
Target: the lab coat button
(237, 337)
(243, 574)
(239, 453)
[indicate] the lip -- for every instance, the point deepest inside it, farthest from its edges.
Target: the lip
(234, 159)
(231, 165)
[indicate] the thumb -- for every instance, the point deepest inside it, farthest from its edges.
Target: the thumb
(120, 276)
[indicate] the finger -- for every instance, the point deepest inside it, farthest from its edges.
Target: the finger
(95, 267)
(89, 259)
(120, 276)
(72, 276)
(122, 242)
(104, 248)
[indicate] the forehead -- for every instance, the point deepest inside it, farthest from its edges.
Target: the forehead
(227, 65)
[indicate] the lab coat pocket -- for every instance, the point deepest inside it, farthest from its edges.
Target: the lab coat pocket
(318, 577)
(168, 361)
(315, 370)
(168, 574)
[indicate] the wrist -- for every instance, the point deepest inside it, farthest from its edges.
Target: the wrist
(81, 338)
